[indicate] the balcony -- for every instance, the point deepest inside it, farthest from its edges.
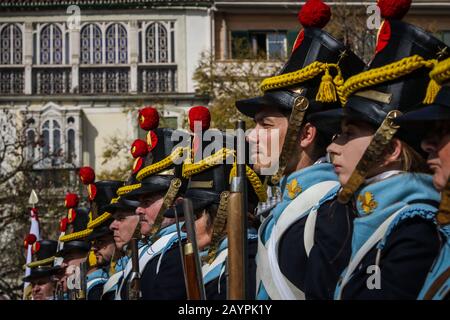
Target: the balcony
(157, 79)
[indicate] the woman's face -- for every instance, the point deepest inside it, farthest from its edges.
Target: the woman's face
(348, 147)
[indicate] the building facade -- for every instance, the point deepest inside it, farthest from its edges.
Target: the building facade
(80, 72)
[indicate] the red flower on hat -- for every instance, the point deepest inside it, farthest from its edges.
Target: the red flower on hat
(148, 118)
(63, 224)
(29, 240)
(394, 9)
(199, 113)
(139, 148)
(35, 248)
(314, 14)
(92, 191)
(71, 215)
(152, 140)
(71, 200)
(87, 175)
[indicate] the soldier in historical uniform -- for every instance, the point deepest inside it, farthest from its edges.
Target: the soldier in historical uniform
(394, 241)
(72, 252)
(42, 274)
(101, 194)
(305, 86)
(208, 189)
(431, 122)
(124, 224)
(160, 184)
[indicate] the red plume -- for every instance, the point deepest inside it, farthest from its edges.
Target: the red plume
(29, 240)
(71, 200)
(314, 14)
(35, 248)
(71, 215)
(63, 224)
(199, 113)
(383, 36)
(139, 148)
(87, 175)
(148, 118)
(152, 140)
(394, 9)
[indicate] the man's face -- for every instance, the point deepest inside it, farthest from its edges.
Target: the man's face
(267, 138)
(348, 148)
(42, 288)
(148, 211)
(437, 145)
(103, 249)
(123, 226)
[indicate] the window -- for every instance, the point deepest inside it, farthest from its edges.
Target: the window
(91, 44)
(10, 44)
(116, 44)
(70, 145)
(276, 46)
(11, 81)
(156, 44)
(258, 44)
(51, 136)
(51, 45)
(31, 143)
(444, 36)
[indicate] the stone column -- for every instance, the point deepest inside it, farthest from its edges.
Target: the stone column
(133, 43)
(75, 58)
(28, 57)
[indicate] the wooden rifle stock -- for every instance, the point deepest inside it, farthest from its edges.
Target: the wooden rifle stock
(193, 271)
(192, 288)
(236, 279)
(134, 282)
(237, 224)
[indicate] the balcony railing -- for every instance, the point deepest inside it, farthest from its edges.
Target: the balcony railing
(104, 80)
(157, 79)
(51, 81)
(11, 81)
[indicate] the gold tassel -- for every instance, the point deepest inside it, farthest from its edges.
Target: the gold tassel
(92, 259)
(327, 90)
(432, 91)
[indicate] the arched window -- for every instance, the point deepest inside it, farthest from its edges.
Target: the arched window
(91, 44)
(31, 136)
(156, 43)
(116, 44)
(70, 145)
(51, 136)
(51, 44)
(11, 45)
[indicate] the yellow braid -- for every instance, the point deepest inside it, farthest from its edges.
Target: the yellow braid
(190, 169)
(441, 73)
(38, 263)
(328, 88)
(161, 165)
(387, 73)
(76, 235)
(127, 189)
(99, 220)
(254, 180)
